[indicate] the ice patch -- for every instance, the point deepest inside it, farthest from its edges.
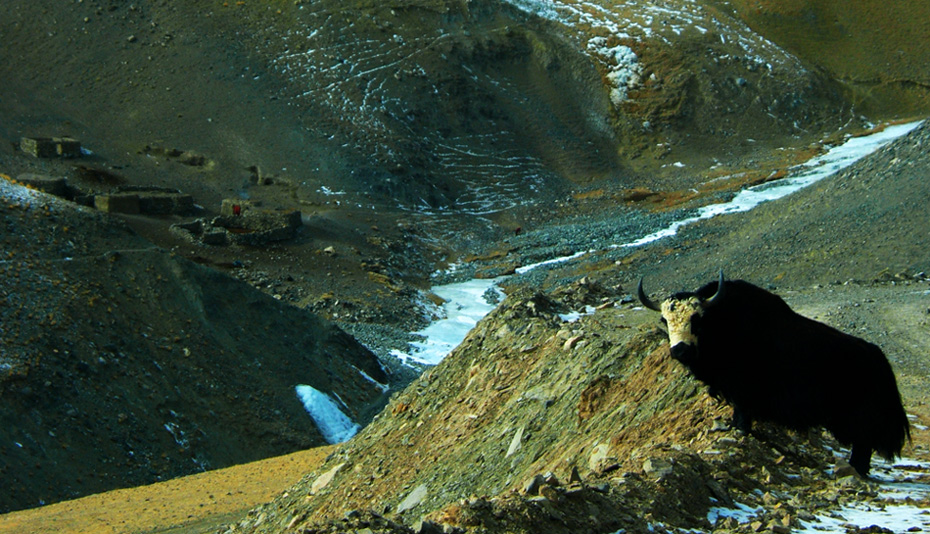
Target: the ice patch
(527, 268)
(465, 305)
(334, 425)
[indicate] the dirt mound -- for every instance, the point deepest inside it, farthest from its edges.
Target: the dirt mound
(538, 425)
(124, 364)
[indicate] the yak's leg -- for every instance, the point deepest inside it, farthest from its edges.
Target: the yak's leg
(861, 459)
(741, 419)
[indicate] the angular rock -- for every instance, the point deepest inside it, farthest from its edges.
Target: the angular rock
(657, 467)
(413, 499)
(532, 485)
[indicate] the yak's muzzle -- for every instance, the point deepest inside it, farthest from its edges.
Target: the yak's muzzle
(684, 352)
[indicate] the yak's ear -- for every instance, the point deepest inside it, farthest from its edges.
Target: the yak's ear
(718, 296)
(647, 302)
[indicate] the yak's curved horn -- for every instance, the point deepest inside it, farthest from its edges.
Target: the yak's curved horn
(645, 299)
(718, 296)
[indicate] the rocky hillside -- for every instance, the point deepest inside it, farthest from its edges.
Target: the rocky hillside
(535, 424)
(409, 135)
(538, 425)
(124, 364)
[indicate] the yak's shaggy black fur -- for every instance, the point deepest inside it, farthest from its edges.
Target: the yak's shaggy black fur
(772, 364)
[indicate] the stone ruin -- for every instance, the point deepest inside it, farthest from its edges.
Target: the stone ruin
(130, 200)
(242, 223)
(53, 185)
(145, 200)
(51, 147)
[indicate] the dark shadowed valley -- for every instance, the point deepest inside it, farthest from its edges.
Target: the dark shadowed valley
(207, 204)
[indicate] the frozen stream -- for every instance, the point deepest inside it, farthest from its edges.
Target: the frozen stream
(466, 303)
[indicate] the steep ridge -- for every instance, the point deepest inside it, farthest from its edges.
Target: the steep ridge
(124, 364)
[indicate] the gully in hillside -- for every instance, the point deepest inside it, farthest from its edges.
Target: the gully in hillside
(772, 364)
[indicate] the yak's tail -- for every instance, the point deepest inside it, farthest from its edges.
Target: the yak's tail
(890, 442)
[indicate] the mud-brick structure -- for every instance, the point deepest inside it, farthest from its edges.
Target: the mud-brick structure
(51, 147)
(127, 203)
(145, 200)
(242, 223)
(53, 185)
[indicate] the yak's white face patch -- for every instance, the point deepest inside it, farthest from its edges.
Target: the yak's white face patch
(678, 315)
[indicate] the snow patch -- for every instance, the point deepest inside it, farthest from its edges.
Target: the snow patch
(366, 376)
(329, 192)
(623, 71)
(334, 425)
(572, 317)
(742, 513)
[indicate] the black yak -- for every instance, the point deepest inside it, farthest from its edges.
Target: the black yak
(772, 364)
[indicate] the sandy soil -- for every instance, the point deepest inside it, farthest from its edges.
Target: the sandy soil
(186, 505)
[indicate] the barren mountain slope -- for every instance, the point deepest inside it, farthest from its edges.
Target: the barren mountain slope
(429, 104)
(866, 223)
(877, 50)
(123, 364)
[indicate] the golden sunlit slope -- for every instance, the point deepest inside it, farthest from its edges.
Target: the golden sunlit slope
(184, 504)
